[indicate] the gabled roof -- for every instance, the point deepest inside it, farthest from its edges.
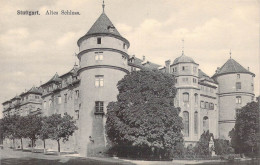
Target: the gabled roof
(231, 66)
(204, 76)
(35, 90)
(54, 79)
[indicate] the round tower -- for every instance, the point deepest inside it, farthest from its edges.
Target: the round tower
(103, 62)
(236, 89)
(185, 71)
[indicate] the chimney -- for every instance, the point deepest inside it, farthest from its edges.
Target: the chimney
(217, 69)
(167, 66)
(143, 58)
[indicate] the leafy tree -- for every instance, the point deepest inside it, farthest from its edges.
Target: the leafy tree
(32, 126)
(44, 132)
(1, 131)
(11, 128)
(144, 115)
(245, 136)
(58, 127)
(202, 146)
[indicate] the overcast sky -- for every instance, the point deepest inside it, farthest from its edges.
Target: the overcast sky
(34, 48)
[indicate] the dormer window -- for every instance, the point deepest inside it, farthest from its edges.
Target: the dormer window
(111, 28)
(99, 40)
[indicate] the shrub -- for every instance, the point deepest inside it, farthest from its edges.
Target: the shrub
(222, 147)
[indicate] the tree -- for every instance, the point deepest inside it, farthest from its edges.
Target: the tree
(44, 132)
(245, 136)
(11, 128)
(59, 127)
(144, 115)
(32, 126)
(202, 146)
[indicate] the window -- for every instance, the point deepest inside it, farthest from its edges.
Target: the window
(238, 85)
(185, 68)
(99, 80)
(186, 123)
(238, 76)
(185, 79)
(196, 122)
(77, 94)
(99, 107)
(50, 103)
(77, 114)
(211, 106)
(238, 100)
(185, 97)
(205, 123)
(195, 69)
(98, 40)
(175, 69)
(99, 56)
(65, 98)
(124, 46)
(176, 80)
(202, 105)
(206, 105)
(196, 98)
(194, 80)
(59, 99)
(44, 105)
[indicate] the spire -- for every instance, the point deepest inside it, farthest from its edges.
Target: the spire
(230, 53)
(103, 6)
(182, 46)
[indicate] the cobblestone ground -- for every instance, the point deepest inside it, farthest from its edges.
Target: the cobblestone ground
(10, 157)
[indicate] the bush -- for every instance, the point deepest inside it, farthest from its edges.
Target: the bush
(222, 147)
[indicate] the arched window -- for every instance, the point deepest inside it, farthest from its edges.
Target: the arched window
(202, 105)
(196, 120)
(186, 123)
(205, 123)
(185, 97)
(196, 98)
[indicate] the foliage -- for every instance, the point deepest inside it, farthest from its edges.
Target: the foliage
(58, 127)
(222, 147)
(245, 136)
(32, 127)
(202, 146)
(144, 115)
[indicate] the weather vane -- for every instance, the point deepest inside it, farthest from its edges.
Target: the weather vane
(103, 6)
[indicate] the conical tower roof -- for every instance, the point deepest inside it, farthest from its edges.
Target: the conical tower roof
(103, 26)
(231, 66)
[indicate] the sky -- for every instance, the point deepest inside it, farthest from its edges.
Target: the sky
(34, 48)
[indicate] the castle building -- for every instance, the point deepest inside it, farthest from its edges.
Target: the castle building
(207, 103)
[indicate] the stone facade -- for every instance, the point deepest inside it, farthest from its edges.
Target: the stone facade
(207, 103)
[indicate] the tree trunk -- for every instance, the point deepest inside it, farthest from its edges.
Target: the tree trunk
(32, 144)
(22, 143)
(58, 146)
(44, 147)
(13, 145)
